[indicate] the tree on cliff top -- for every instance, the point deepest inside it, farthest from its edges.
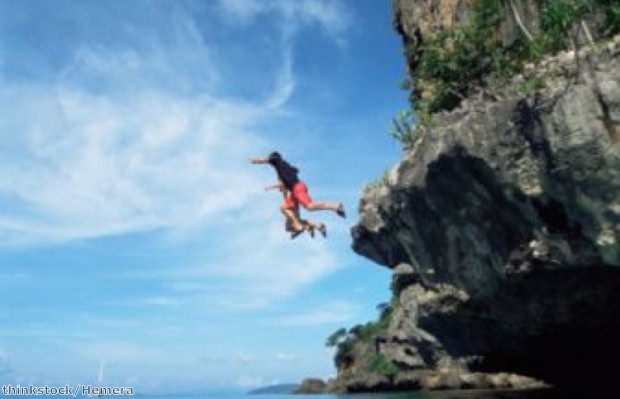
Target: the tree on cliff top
(336, 338)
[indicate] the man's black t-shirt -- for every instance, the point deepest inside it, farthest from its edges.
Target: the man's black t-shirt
(286, 172)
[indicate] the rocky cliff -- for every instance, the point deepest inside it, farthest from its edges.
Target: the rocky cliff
(502, 227)
(416, 20)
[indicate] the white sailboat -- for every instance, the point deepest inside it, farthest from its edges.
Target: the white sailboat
(99, 381)
(100, 377)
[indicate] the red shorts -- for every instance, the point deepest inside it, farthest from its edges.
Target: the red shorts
(300, 194)
(290, 203)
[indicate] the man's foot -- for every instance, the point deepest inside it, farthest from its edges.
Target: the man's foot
(323, 230)
(302, 227)
(295, 234)
(340, 211)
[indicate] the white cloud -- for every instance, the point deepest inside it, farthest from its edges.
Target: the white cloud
(248, 263)
(243, 10)
(115, 144)
(168, 52)
(242, 283)
(270, 265)
(285, 83)
(88, 166)
(329, 14)
(110, 147)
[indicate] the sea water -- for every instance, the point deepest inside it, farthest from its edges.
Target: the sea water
(473, 394)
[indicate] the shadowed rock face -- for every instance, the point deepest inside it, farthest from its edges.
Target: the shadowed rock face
(508, 213)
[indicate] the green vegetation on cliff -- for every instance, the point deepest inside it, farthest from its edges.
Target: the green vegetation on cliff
(379, 364)
(452, 64)
(365, 335)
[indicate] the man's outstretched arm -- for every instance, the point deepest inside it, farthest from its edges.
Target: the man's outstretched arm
(278, 186)
(259, 160)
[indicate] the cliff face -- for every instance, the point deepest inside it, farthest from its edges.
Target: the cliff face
(502, 226)
(540, 171)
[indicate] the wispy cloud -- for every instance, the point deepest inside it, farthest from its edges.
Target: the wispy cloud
(249, 264)
(84, 157)
(292, 16)
(329, 15)
(285, 84)
(89, 166)
(117, 144)
(243, 11)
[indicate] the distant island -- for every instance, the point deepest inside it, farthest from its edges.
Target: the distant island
(275, 389)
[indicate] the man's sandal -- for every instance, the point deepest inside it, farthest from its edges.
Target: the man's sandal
(311, 230)
(295, 234)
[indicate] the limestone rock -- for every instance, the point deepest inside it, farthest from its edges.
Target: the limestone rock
(368, 382)
(502, 226)
(312, 386)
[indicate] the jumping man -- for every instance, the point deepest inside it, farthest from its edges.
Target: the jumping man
(287, 174)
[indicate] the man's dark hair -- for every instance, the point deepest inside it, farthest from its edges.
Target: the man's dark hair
(275, 155)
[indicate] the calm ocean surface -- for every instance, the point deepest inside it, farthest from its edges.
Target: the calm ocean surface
(414, 395)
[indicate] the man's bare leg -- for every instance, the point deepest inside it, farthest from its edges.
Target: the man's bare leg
(325, 206)
(293, 217)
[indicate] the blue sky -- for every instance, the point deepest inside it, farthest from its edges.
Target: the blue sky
(133, 230)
